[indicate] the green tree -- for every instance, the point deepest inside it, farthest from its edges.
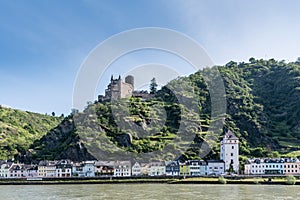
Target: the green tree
(153, 86)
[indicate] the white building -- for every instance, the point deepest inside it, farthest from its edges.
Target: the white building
(157, 169)
(17, 171)
(4, 170)
(63, 168)
(194, 167)
(254, 166)
(230, 152)
(122, 168)
(215, 167)
(89, 168)
(136, 169)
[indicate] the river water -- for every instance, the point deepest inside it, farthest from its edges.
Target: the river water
(149, 191)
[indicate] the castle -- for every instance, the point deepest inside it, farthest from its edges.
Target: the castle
(118, 89)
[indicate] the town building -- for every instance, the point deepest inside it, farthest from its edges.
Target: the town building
(122, 168)
(215, 167)
(194, 167)
(47, 168)
(157, 169)
(274, 166)
(17, 171)
(259, 166)
(229, 152)
(291, 166)
(104, 168)
(254, 166)
(136, 169)
(172, 168)
(184, 169)
(63, 168)
(31, 171)
(4, 170)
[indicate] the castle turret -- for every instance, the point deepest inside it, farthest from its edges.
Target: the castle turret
(230, 152)
(130, 80)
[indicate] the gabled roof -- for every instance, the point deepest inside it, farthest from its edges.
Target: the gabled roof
(230, 135)
(215, 161)
(105, 163)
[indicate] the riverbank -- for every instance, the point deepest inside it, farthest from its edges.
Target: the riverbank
(147, 180)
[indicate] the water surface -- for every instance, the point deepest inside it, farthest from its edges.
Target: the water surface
(149, 191)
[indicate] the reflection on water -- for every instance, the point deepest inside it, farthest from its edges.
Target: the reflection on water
(149, 191)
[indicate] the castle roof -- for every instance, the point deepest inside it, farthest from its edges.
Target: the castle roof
(230, 135)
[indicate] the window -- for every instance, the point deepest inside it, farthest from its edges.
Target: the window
(232, 147)
(231, 154)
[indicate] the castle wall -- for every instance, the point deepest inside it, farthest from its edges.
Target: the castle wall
(126, 90)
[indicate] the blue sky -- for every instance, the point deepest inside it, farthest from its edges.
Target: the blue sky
(43, 43)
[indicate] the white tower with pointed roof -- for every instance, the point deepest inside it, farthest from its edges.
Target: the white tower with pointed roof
(229, 152)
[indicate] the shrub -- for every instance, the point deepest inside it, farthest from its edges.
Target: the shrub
(290, 180)
(222, 180)
(256, 181)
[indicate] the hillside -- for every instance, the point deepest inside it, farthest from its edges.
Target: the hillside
(263, 110)
(20, 129)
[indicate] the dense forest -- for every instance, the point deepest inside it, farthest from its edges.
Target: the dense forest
(262, 108)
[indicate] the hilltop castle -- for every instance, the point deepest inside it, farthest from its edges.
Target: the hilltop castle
(118, 89)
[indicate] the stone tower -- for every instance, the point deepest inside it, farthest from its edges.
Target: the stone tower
(130, 80)
(230, 152)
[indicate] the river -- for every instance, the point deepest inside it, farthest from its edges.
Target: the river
(149, 191)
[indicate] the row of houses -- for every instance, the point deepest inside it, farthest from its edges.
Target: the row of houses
(261, 166)
(65, 168)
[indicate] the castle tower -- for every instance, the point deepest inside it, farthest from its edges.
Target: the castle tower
(230, 152)
(130, 80)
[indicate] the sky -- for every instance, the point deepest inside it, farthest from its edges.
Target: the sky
(44, 43)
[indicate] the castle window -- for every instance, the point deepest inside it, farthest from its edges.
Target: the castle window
(231, 154)
(232, 147)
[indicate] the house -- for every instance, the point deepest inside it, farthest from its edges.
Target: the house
(88, 168)
(47, 168)
(104, 168)
(194, 167)
(229, 152)
(254, 166)
(31, 171)
(4, 170)
(157, 169)
(184, 170)
(215, 167)
(274, 166)
(77, 169)
(63, 168)
(17, 171)
(122, 168)
(203, 168)
(291, 166)
(172, 168)
(136, 169)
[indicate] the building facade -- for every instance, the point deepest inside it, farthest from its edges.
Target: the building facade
(229, 152)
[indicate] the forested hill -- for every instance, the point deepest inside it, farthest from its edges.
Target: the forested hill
(263, 110)
(19, 129)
